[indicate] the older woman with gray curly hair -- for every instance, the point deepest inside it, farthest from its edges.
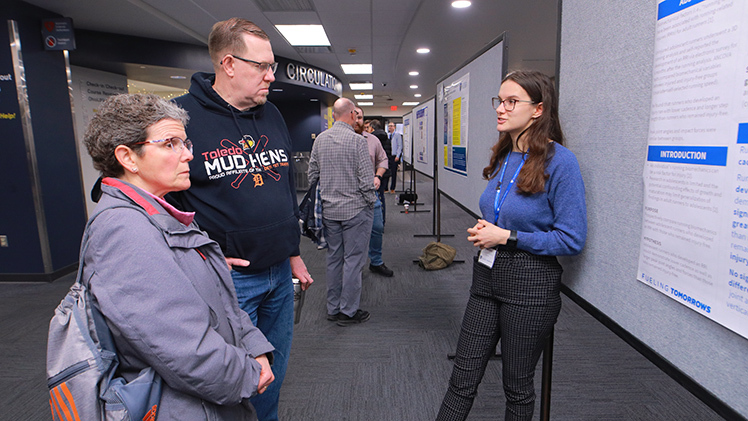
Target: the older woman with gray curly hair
(162, 285)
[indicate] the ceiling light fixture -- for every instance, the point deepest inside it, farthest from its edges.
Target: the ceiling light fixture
(365, 104)
(423, 51)
(417, 95)
(356, 69)
(304, 35)
(361, 86)
(413, 86)
(410, 103)
(364, 96)
(413, 73)
(460, 4)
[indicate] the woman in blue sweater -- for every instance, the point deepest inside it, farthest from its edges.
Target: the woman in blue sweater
(533, 210)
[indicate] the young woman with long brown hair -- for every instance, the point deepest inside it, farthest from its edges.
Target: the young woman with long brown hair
(533, 210)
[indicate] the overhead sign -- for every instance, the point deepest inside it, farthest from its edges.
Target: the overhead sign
(304, 75)
(58, 34)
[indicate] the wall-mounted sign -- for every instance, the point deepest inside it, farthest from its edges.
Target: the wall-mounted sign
(58, 34)
(305, 75)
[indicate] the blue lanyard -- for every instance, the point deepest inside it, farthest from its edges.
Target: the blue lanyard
(499, 201)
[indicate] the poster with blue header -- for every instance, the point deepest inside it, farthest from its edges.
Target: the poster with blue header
(455, 100)
(694, 243)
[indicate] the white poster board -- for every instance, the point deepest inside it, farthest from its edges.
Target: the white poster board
(407, 138)
(423, 137)
(90, 89)
(454, 99)
(694, 244)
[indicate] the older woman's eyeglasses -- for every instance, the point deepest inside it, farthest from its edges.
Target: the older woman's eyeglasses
(509, 104)
(263, 67)
(176, 144)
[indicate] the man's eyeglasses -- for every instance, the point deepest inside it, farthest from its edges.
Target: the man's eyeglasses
(176, 144)
(509, 104)
(263, 67)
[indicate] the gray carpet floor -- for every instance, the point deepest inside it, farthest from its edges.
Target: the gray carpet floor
(395, 366)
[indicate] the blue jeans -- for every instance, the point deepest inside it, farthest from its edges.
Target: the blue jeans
(375, 242)
(267, 297)
(380, 195)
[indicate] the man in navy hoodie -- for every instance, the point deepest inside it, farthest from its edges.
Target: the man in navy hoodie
(243, 189)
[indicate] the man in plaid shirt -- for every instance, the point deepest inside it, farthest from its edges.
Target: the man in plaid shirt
(340, 161)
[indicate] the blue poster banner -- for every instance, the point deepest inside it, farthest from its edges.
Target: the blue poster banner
(697, 155)
(670, 7)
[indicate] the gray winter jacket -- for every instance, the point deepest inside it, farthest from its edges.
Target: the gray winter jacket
(168, 298)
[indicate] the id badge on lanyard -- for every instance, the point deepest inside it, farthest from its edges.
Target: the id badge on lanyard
(487, 256)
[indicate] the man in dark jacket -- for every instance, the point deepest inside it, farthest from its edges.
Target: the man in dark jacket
(379, 132)
(243, 189)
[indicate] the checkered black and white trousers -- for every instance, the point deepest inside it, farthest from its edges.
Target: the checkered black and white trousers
(517, 301)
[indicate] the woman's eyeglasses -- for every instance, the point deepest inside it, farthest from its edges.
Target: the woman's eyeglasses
(509, 104)
(177, 145)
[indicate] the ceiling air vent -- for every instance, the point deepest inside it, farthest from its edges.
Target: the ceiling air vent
(313, 50)
(285, 5)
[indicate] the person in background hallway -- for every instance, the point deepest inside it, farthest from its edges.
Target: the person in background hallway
(252, 215)
(379, 132)
(161, 284)
(533, 210)
(396, 141)
(367, 126)
(379, 160)
(340, 161)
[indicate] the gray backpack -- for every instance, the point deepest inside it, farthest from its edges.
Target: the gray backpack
(82, 364)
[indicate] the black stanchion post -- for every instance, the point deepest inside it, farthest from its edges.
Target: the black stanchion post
(402, 178)
(545, 388)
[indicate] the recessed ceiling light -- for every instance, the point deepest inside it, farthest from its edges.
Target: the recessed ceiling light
(356, 69)
(365, 104)
(410, 104)
(364, 96)
(460, 4)
(304, 35)
(178, 77)
(423, 51)
(413, 73)
(417, 95)
(367, 86)
(413, 86)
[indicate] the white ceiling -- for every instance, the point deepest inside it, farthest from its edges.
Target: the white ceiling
(385, 33)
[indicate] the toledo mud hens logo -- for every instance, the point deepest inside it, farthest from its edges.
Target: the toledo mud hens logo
(249, 156)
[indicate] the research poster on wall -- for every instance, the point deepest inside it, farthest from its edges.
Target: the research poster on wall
(454, 99)
(420, 135)
(694, 245)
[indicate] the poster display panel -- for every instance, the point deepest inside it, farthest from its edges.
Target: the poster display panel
(455, 101)
(423, 137)
(464, 110)
(694, 244)
(407, 139)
